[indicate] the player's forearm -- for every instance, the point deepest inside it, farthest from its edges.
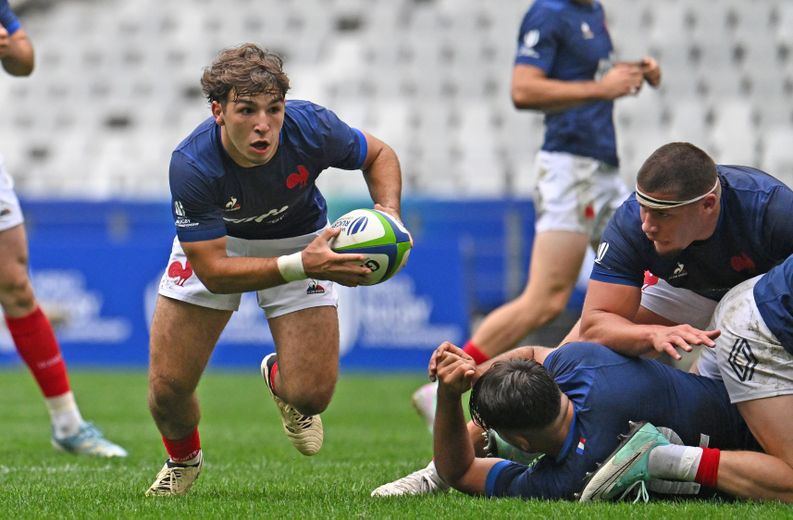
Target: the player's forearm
(617, 333)
(384, 179)
(239, 274)
(553, 95)
(452, 447)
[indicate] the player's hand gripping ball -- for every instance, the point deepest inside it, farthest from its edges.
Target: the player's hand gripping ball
(380, 237)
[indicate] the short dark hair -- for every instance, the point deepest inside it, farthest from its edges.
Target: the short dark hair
(680, 170)
(515, 394)
(246, 70)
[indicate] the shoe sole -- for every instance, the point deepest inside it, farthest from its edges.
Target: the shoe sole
(587, 494)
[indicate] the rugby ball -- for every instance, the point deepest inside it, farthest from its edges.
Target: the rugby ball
(380, 237)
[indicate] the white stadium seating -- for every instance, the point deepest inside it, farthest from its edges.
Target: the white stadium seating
(117, 86)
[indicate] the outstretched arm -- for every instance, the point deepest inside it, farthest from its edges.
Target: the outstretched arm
(223, 274)
(383, 176)
(607, 318)
(454, 453)
(532, 89)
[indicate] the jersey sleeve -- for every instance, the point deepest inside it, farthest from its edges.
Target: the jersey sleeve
(543, 480)
(618, 258)
(341, 145)
(8, 19)
(538, 38)
(195, 214)
(778, 226)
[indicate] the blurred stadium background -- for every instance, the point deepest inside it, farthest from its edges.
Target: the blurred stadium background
(88, 139)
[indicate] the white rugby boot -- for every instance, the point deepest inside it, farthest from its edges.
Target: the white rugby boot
(304, 431)
(425, 481)
(176, 479)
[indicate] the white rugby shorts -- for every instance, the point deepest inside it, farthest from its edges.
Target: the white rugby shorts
(749, 358)
(181, 283)
(575, 193)
(10, 212)
(676, 304)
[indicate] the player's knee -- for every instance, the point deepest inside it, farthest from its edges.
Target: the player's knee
(16, 294)
(165, 394)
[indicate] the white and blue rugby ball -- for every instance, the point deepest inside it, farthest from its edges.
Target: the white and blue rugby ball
(380, 237)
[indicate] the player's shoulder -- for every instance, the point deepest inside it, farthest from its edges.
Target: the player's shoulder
(747, 178)
(582, 354)
(550, 5)
(200, 148)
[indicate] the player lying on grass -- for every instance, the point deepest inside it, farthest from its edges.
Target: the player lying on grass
(568, 404)
(754, 357)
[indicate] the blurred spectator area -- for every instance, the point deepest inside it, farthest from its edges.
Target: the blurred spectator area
(117, 86)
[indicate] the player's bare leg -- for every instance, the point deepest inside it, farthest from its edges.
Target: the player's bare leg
(555, 263)
(757, 475)
(182, 339)
(36, 344)
(302, 374)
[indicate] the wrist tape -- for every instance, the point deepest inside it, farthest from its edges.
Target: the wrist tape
(291, 267)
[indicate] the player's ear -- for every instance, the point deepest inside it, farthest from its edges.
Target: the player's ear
(217, 113)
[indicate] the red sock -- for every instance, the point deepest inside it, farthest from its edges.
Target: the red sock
(36, 344)
(708, 470)
(473, 351)
(184, 449)
(271, 375)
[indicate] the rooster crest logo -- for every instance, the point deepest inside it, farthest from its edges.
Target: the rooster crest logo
(232, 205)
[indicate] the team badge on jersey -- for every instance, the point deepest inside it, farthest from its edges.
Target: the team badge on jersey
(581, 445)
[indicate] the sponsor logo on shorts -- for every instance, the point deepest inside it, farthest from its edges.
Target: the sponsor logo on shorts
(315, 288)
(299, 179)
(178, 273)
(742, 360)
(4, 212)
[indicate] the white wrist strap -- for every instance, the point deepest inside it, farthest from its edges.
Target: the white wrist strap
(291, 267)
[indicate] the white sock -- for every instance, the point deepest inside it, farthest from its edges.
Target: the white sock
(64, 415)
(674, 462)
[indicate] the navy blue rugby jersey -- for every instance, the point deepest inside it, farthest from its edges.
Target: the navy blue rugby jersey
(570, 42)
(773, 294)
(7, 18)
(753, 234)
(213, 196)
(607, 390)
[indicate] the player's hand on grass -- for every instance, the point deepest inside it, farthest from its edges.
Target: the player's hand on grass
(670, 339)
(322, 263)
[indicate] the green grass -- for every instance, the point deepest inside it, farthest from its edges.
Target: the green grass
(372, 436)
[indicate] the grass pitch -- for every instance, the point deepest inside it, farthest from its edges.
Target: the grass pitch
(372, 436)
